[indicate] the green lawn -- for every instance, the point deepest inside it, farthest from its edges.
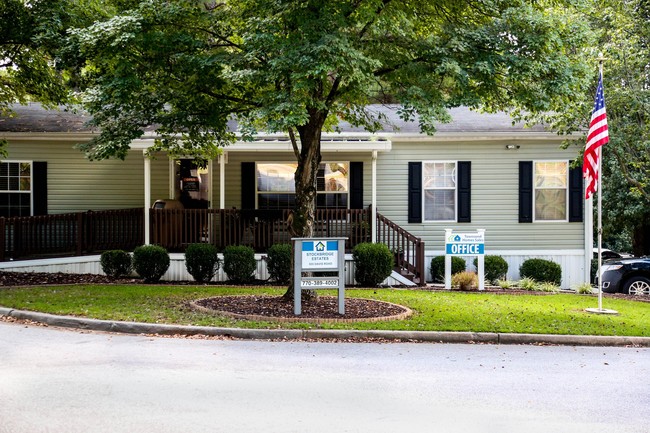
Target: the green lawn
(433, 311)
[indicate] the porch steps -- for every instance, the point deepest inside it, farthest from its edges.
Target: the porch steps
(404, 277)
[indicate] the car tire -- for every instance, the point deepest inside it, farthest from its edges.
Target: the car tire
(637, 286)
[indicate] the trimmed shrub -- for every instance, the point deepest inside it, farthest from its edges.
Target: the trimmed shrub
(202, 261)
(465, 280)
(150, 262)
(239, 263)
(373, 263)
(458, 264)
(496, 268)
(278, 263)
(543, 271)
(116, 263)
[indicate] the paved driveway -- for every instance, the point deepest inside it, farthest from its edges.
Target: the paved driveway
(64, 381)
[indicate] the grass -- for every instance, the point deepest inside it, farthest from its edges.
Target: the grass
(434, 311)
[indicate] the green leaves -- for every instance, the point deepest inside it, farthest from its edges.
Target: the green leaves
(189, 67)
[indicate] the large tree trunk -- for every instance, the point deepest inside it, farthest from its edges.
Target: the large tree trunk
(309, 158)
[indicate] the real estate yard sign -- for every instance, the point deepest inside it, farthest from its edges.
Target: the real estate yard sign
(465, 244)
(319, 264)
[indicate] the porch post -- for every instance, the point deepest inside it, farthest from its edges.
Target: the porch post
(373, 208)
(222, 180)
(147, 195)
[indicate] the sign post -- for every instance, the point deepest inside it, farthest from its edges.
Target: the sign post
(465, 244)
(324, 261)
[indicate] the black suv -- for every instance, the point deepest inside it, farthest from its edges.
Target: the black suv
(629, 275)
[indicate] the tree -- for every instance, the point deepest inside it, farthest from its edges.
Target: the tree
(624, 40)
(31, 38)
(300, 66)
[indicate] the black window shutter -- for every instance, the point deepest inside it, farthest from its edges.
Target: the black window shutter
(575, 195)
(248, 183)
(39, 188)
(464, 191)
(525, 191)
(356, 185)
(415, 192)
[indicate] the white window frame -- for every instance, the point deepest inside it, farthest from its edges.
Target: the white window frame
(31, 183)
(424, 190)
(258, 192)
(535, 188)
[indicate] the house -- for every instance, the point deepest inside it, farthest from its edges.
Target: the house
(480, 171)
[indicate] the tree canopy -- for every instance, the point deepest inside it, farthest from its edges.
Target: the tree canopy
(623, 29)
(298, 67)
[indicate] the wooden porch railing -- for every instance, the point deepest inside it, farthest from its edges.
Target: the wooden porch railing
(174, 229)
(94, 231)
(71, 234)
(408, 249)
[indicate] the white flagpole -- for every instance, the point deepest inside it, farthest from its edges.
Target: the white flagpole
(599, 189)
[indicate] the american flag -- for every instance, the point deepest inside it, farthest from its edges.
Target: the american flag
(597, 136)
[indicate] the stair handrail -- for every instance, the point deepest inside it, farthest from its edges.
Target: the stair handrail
(408, 249)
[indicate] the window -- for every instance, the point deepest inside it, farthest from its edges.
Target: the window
(439, 185)
(276, 185)
(550, 183)
(15, 188)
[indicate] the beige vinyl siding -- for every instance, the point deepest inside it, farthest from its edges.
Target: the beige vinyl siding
(77, 184)
(495, 193)
(159, 178)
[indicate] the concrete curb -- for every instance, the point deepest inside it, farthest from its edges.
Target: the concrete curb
(323, 334)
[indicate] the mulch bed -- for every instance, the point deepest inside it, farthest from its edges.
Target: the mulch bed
(323, 307)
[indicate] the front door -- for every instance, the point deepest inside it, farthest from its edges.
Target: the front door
(192, 184)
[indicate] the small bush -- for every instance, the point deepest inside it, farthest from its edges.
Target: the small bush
(465, 280)
(373, 263)
(116, 263)
(541, 270)
(438, 267)
(547, 287)
(496, 267)
(527, 284)
(202, 261)
(150, 262)
(506, 284)
(239, 263)
(278, 263)
(584, 289)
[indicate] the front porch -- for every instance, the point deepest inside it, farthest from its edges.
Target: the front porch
(87, 233)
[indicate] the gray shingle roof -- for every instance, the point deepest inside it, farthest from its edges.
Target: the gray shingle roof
(34, 118)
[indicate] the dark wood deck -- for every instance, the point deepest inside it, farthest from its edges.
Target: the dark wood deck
(92, 232)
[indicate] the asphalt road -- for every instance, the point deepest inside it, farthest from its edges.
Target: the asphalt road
(54, 380)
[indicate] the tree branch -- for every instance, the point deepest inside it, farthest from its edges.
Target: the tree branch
(628, 176)
(294, 143)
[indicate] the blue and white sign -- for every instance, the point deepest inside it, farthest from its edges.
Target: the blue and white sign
(318, 264)
(320, 254)
(465, 244)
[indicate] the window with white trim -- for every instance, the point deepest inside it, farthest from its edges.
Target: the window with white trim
(550, 182)
(439, 186)
(276, 186)
(15, 188)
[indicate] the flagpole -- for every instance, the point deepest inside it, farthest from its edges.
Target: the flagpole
(599, 189)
